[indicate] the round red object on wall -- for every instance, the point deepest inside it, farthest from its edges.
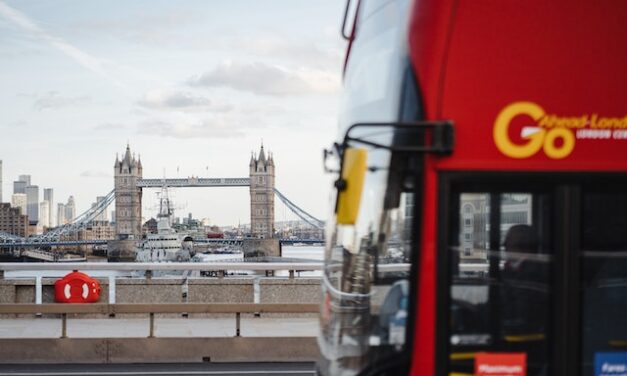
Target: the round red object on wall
(77, 287)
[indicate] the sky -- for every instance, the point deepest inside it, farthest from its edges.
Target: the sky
(193, 86)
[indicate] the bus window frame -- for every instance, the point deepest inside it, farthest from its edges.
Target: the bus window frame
(565, 190)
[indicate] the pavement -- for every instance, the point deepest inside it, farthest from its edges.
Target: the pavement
(271, 369)
(164, 327)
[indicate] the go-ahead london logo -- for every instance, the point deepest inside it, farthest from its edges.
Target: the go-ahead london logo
(554, 135)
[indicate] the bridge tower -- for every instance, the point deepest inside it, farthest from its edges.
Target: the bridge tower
(262, 195)
(128, 197)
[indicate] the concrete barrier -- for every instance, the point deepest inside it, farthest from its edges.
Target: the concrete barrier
(158, 350)
(289, 291)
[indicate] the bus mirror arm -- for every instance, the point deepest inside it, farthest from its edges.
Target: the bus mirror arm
(435, 137)
(443, 139)
(340, 184)
(335, 150)
(343, 31)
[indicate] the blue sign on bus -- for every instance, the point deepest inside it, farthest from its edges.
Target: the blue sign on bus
(610, 364)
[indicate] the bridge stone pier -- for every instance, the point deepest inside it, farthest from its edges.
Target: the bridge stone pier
(129, 182)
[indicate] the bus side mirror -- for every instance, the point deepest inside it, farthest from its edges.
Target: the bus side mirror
(350, 185)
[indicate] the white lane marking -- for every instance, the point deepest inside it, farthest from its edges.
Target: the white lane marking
(132, 373)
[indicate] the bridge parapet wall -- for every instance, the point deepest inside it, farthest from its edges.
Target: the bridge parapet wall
(177, 290)
(290, 291)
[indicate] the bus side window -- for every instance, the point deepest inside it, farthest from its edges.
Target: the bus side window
(604, 278)
(500, 282)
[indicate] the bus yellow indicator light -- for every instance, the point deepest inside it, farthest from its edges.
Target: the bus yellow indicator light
(353, 175)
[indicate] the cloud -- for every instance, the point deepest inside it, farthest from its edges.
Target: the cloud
(109, 126)
(94, 174)
(18, 123)
(213, 128)
(155, 26)
(305, 52)
(88, 61)
(52, 100)
(176, 28)
(264, 79)
(180, 100)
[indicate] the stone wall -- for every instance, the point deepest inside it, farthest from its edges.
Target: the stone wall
(121, 250)
(261, 247)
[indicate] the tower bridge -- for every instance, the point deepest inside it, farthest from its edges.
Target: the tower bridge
(129, 182)
(127, 194)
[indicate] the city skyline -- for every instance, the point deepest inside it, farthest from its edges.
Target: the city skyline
(24, 184)
(191, 94)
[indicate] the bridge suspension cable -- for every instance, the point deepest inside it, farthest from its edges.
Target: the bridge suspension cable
(80, 222)
(83, 220)
(4, 237)
(300, 213)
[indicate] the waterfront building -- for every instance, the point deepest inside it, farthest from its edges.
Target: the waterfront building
(32, 201)
(262, 195)
(12, 221)
(18, 200)
(99, 230)
(60, 214)
(128, 209)
(49, 196)
(0, 180)
(95, 230)
(44, 214)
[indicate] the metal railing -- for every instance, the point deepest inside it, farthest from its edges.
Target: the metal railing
(220, 268)
(176, 266)
(151, 309)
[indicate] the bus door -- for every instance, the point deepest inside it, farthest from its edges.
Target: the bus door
(533, 275)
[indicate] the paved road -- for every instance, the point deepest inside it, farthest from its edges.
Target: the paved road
(227, 369)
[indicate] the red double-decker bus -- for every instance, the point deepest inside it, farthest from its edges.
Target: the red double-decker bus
(480, 223)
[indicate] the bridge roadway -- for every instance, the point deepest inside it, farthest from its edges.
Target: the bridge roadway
(175, 369)
(194, 182)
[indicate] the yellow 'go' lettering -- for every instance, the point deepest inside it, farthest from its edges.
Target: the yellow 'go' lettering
(541, 139)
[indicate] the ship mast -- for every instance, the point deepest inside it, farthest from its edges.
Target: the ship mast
(164, 217)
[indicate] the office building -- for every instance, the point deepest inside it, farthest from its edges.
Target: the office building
(103, 215)
(49, 196)
(24, 178)
(44, 214)
(32, 202)
(70, 210)
(60, 214)
(19, 186)
(18, 200)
